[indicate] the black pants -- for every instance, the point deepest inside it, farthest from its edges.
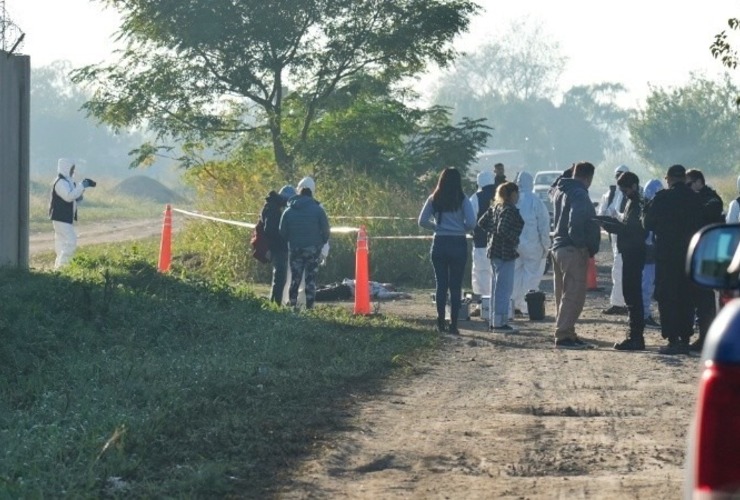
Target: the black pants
(632, 263)
(706, 309)
(674, 292)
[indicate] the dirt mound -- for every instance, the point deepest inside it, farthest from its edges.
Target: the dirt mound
(147, 188)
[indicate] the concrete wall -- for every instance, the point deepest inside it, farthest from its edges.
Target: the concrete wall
(15, 84)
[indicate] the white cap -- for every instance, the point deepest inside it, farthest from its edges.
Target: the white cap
(306, 182)
(621, 169)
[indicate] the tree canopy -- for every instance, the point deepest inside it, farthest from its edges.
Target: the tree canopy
(512, 83)
(197, 69)
(694, 125)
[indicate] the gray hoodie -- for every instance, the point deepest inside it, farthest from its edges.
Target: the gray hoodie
(574, 212)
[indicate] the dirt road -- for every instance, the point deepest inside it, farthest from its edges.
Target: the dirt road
(99, 232)
(508, 416)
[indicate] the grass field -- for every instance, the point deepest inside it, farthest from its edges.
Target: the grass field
(118, 381)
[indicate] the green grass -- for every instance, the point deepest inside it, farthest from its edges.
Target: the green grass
(117, 381)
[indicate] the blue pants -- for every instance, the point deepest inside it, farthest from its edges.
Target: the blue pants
(503, 287)
(449, 256)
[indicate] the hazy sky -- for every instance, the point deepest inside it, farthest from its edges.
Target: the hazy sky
(635, 42)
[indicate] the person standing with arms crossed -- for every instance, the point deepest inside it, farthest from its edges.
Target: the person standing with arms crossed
(577, 238)
(450, 215)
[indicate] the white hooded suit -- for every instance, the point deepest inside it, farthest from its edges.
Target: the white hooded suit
(481, 270)
(65, 237)
(616, 298)
(533, 242)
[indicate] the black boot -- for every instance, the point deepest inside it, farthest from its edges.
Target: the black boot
(630, 344)
(441, 325)
(453, 329)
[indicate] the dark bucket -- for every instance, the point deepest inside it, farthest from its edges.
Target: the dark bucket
(535, 304)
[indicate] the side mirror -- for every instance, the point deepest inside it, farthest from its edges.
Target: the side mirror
(713, 260)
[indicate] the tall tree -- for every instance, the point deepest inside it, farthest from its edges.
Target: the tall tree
(195, 69)
(523, 63)
(694, 125)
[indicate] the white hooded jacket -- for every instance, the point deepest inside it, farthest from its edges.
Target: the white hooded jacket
(535, 238)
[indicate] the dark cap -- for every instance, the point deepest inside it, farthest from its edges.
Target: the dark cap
(676, 171)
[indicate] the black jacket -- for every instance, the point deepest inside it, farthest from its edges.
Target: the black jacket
(712, 206)
(271, 213)
(631, 233)
(674, 215)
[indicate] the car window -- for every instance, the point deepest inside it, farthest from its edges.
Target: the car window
(546, 178)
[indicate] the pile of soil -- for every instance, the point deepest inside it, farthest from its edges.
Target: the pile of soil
(143, 187)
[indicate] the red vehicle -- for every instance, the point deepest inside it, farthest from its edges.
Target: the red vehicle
(712, 469)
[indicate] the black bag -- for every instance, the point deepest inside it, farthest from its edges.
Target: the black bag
(260, 248)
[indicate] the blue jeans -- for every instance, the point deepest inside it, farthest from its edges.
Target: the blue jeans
(648, 287)
(503, 287)
(279, 275)
(449, 256)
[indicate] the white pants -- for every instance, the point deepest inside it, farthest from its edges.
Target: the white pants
(482, 272)
(65, 242)
(528, 273)
(617, 297)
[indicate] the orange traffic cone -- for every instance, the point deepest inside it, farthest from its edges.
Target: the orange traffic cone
(165, 245)
(362, 276)
(591, 275)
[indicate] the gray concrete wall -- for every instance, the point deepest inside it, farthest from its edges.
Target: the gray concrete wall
(15, 84)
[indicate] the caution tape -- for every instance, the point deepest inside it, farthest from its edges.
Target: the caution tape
(334, 229)
(349, 217)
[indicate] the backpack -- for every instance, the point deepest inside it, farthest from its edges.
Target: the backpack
(260, 248)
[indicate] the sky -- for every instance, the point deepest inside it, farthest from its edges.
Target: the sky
(635, 42)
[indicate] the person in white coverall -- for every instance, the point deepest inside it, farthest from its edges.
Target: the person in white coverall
(733, 209)
(482, 272)
(533, 242)
(309, 183)
(65, 194)
(613, 204)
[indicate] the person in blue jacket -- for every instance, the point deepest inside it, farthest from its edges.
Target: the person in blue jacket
(450, 215)
(305, 226)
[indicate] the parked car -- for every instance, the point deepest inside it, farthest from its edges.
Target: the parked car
(543, 181)
(712, 468)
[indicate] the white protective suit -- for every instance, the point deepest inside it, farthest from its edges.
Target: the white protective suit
(481, 271)
(306, 182)
(533, 242)
(616, 298)
(65, 237)
(733, 210)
